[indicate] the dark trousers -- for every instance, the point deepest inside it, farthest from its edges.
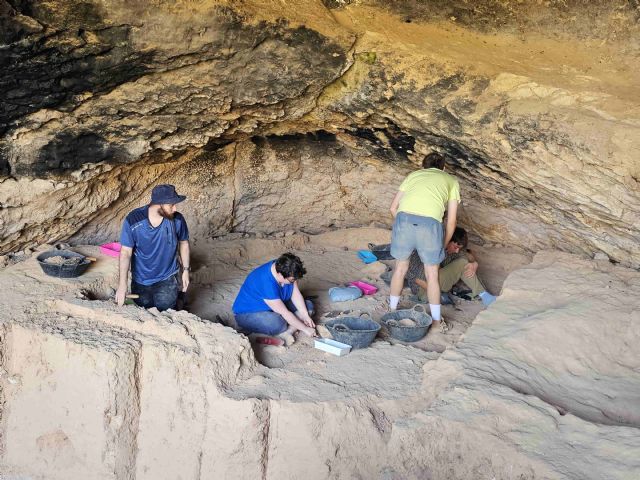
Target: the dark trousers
(162, 295)
(267, 322)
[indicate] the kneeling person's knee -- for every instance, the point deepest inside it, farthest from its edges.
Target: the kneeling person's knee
(274, 325)
(462, 261)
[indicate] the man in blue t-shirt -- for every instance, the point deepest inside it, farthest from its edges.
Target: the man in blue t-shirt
(153, 236)
(269, 301)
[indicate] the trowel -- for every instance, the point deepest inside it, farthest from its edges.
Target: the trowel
(128, 297)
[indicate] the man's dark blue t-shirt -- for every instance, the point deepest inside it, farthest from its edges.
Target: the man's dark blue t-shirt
(155, 249)
(260, 285)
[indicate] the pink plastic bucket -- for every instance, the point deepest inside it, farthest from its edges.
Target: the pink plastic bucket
(111, 249)
(366, 288)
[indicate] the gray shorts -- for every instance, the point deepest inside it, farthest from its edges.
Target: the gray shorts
(414, 232)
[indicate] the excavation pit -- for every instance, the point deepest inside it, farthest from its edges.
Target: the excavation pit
(291, 129)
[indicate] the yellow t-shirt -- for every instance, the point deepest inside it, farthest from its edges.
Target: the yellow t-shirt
(427, 192)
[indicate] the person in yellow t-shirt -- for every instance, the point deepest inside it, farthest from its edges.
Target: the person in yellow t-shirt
(418, 209)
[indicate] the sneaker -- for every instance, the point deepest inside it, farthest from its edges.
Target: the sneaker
(383, 307)
(487, 298)
(287, 338)
(275, 341)
(462, 293)
(445, 299)
(443, 325)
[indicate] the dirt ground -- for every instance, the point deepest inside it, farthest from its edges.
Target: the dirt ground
(220, 266)
(513, 388)
(331, 260)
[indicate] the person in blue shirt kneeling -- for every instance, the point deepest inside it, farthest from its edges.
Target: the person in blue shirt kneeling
(269, 301)
(153, 237)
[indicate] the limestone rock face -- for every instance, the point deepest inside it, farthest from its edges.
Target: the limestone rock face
(540, 387)
(577, 375)
(200, 69)
(265, 186)
(274, 118)
(555, 356)
(539, 116)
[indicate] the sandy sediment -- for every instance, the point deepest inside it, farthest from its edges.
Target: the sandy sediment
(537, 386)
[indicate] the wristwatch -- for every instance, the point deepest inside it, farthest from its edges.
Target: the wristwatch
(186, 269)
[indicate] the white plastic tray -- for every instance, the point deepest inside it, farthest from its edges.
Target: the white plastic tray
(332, 347)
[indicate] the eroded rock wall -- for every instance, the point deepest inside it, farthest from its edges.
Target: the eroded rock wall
(89, 392)
(263, 186)
(540, 118)
(532, 391)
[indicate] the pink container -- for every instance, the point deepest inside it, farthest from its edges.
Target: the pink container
(111, 249)
(366, 288)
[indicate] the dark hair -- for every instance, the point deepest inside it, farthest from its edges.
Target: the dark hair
(433, 160)
(460, 237)
(289, 265)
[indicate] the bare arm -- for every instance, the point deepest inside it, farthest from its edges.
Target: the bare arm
(301, 306)
(278, 306)
(452, 216)
(472, 267)
(123, 280)
(185, 259)
(396, 203)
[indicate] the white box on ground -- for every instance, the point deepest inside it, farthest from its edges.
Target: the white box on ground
(332, 347)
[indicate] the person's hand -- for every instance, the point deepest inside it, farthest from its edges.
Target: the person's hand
(185, 280)
(309, 332)
(121, 294)
(309, 322)
(470, 269)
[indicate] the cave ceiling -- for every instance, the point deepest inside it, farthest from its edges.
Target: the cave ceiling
(535, 104)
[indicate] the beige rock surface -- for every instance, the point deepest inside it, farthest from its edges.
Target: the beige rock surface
(90, 390)
(283, 121)
(557, 353)
(267, 187)
(540, 119)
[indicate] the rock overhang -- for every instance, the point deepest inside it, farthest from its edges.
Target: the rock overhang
(539, 119)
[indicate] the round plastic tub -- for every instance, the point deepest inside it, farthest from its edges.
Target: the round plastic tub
(408, 333)
(358, 332)
(61, 270)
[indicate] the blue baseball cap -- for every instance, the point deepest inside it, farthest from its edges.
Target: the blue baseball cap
(166, 194)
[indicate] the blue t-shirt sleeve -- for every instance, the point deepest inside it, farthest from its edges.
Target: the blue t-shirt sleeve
(126, 237)
(287, 292)
(183, 231)
(270, 289)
